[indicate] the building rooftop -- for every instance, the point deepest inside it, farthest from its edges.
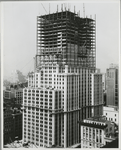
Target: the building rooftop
(97, 119)
(113, 66)
(96, 122)
(93, 124)
(110, 107)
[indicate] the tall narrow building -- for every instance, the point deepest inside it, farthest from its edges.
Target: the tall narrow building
(59, 91)
(97, 94)
(112, 85)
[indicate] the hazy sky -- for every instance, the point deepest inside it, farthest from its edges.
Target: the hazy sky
(19, 32)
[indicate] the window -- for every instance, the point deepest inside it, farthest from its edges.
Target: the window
(97, 139)
(110, 128)
(100, 132)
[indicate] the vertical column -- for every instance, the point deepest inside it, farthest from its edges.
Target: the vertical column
(23, 117)
(82, 136)
(103, 141)
(95, 138)
(92, 93)
(57, 68)
(53, 119)
(65, 109)
(66, 68)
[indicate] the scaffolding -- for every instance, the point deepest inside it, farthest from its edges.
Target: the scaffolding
(66, 39)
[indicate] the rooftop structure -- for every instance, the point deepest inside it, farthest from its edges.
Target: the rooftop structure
(113, 66)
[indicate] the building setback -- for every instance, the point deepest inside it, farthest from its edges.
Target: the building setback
(59, 92)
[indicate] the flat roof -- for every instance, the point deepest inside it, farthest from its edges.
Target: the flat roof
(97, 118)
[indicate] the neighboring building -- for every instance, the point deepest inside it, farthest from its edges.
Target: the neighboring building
(8, 94)
(19, 96)
(97, 94)
(12, 127)
(17, 124)
(59, 91)
(97, 70)
(112, 85)
(12, 115)
(15, 92)
(96, 132)
(12, 124)
(7, 125)
(111, 113)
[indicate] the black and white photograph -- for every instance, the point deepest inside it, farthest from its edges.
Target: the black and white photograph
(60, 74)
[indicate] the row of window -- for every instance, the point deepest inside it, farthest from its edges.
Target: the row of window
(37, 91)
(37, 117)
(28, 120)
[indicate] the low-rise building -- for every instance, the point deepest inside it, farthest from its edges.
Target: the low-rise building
(8, 94)
(111, 113)
(16, 93)
(96, 132)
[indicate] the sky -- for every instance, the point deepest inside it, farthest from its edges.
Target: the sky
(19, 31)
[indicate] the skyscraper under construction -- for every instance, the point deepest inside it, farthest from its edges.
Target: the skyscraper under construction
(59, 91)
